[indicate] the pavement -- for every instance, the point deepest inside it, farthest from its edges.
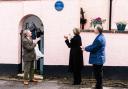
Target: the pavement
(44, 84)
(57, 83)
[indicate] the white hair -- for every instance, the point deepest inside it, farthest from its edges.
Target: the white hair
(99, 28)
(25, 32)
(76, 31)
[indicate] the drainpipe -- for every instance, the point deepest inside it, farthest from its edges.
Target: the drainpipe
(110, 15)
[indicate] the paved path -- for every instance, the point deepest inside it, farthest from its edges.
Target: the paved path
(51, 84)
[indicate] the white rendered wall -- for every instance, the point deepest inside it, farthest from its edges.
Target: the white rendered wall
(94, 9)
(120, 12)
(56, 25)
(116, 48)
(100, 8)
(10, 14)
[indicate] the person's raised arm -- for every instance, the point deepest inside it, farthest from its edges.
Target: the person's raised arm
(67, 41)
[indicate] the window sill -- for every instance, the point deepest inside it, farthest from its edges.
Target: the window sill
(107, 31)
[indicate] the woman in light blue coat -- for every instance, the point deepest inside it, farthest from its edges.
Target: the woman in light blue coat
(97, 55)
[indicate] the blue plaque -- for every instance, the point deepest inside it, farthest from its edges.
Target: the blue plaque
(59, 5)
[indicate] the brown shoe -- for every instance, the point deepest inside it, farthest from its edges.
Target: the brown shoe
(26, 83)
(33, 80)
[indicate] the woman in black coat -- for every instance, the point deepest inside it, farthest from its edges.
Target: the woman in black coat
(76, 56)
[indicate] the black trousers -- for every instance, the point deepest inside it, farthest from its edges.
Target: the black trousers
(77, 76)
(98, 73)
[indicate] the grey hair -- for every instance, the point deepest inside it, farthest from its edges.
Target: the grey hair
(76, 31)
(99, 28)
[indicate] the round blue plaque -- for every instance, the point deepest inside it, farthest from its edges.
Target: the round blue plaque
(59, 5)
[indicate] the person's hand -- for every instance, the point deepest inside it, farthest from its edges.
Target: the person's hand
(36, 40)
(83, 49)
(66, 37)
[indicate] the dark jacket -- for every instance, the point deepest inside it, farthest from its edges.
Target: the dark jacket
(76, 54)
(28, 49)
(97, 50)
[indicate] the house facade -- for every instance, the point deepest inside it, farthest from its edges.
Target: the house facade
(16, 14)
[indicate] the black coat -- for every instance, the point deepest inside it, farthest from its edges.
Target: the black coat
(76, 54)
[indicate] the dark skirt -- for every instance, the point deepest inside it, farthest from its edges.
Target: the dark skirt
(75, 59)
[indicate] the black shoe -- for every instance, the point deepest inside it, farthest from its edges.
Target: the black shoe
(76, 83)
(99, 88)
